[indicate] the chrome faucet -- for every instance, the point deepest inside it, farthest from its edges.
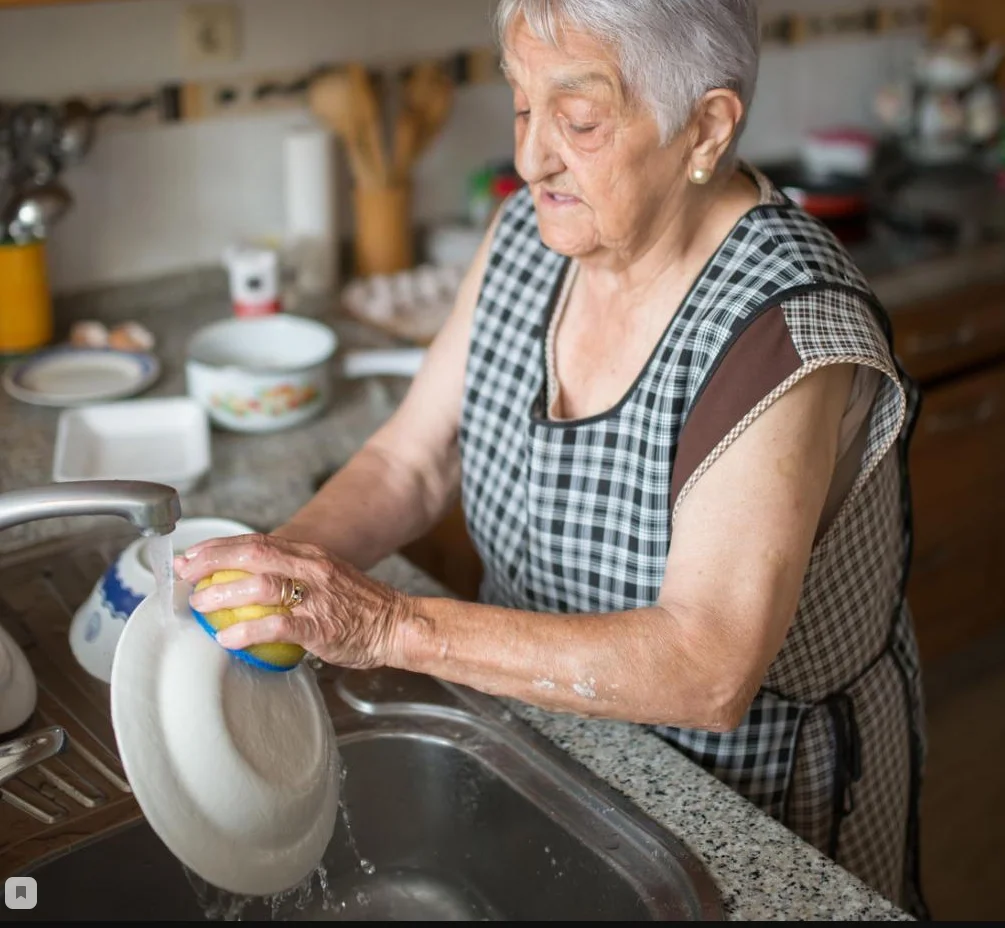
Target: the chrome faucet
(152, 507)
(18, 755)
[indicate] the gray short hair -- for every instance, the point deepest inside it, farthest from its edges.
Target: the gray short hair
(670, 52)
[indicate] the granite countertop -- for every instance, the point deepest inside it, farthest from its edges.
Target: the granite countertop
(762, 870)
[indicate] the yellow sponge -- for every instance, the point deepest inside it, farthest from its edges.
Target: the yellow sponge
(276, 656)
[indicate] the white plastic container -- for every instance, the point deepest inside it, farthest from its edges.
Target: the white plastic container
(161, 440)
(846, 152)
(254, 275)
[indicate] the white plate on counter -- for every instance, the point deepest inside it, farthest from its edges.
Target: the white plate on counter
(74, 376)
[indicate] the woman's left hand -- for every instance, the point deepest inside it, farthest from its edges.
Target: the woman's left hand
(345, 617)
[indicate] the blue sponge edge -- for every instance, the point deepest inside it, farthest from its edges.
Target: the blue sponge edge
(245, 656)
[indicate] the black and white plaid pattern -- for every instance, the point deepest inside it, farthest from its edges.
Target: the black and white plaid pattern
(574, 516)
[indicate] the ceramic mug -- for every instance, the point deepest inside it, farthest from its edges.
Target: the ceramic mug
(98, 623)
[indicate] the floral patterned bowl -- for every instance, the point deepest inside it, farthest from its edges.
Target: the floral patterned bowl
(261, 374)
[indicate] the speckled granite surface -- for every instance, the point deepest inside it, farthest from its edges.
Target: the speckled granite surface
(762, 870)
(258, 480)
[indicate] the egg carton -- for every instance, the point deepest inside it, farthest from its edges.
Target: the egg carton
(413, 303)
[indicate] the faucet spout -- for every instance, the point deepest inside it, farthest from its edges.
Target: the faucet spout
(19, 755)
(152, 507)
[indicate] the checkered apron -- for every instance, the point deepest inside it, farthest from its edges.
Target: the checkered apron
(575, 517)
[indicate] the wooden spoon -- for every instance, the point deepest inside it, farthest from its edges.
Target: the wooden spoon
(407, 138)
(331, 100)
(430, 93)
(368, 121)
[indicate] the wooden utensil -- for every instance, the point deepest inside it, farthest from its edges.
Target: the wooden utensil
(427, 99)
(438, 101)
(367, 117)
(335, 100)
(330, 99)
(407, 139)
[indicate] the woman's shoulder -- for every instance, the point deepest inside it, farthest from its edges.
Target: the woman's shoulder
(797, 248)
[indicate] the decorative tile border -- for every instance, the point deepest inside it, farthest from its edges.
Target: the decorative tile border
(257, 93)
(793, 28)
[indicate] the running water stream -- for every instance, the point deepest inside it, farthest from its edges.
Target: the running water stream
(160, 553)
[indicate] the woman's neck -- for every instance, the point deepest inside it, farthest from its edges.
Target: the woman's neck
(686, 231)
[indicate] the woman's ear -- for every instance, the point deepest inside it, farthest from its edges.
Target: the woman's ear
(716, 121)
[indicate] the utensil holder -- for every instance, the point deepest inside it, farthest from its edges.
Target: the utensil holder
(25, 301)
(384, 243)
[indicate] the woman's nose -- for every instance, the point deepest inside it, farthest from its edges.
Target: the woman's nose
(536, 155)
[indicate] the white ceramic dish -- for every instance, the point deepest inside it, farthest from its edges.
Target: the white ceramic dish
(74, 376)
(262, 374)
(18, 691)
(161, 440)
(97, 625)
(235, 769)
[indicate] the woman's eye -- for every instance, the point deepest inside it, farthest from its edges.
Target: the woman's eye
(582, 130)
(522, 114)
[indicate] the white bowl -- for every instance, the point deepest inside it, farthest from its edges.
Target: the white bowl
(97, 625)
(18, 691)
(263, 374)
(161, 440)
(235, 768)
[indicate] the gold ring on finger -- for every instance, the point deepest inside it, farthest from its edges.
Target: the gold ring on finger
(293, 592)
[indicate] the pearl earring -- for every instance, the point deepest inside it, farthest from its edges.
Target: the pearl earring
(700, 176)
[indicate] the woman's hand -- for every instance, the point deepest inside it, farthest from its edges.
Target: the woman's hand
(345, 617)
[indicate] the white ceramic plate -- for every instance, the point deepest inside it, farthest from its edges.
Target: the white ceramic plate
(72, 376)
(236, 769)
(17, 684)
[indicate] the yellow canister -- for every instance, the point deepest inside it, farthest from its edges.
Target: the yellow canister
(25, 301)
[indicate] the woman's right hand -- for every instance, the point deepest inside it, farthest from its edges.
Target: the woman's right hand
(345, 617)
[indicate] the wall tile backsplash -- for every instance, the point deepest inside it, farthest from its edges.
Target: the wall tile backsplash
(165, 198)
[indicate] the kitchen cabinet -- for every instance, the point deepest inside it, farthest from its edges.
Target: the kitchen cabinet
(954, 345)
(448, 554)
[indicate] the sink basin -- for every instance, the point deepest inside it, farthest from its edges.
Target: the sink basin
(452, 809)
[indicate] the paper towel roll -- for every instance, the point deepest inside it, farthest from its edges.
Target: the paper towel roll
(311, 208)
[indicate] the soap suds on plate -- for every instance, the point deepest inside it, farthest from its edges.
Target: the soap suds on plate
(543, 683)
(586, 688)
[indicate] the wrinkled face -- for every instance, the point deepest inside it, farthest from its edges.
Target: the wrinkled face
(593, 162)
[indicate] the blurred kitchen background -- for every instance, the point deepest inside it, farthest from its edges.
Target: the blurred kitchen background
(347, 153)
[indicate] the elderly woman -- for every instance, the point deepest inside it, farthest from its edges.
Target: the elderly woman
(669, 404)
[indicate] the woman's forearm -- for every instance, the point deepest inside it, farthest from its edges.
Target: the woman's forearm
(643, 665)
(368, 510)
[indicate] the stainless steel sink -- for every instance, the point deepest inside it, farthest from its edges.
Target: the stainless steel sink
(452, 810)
